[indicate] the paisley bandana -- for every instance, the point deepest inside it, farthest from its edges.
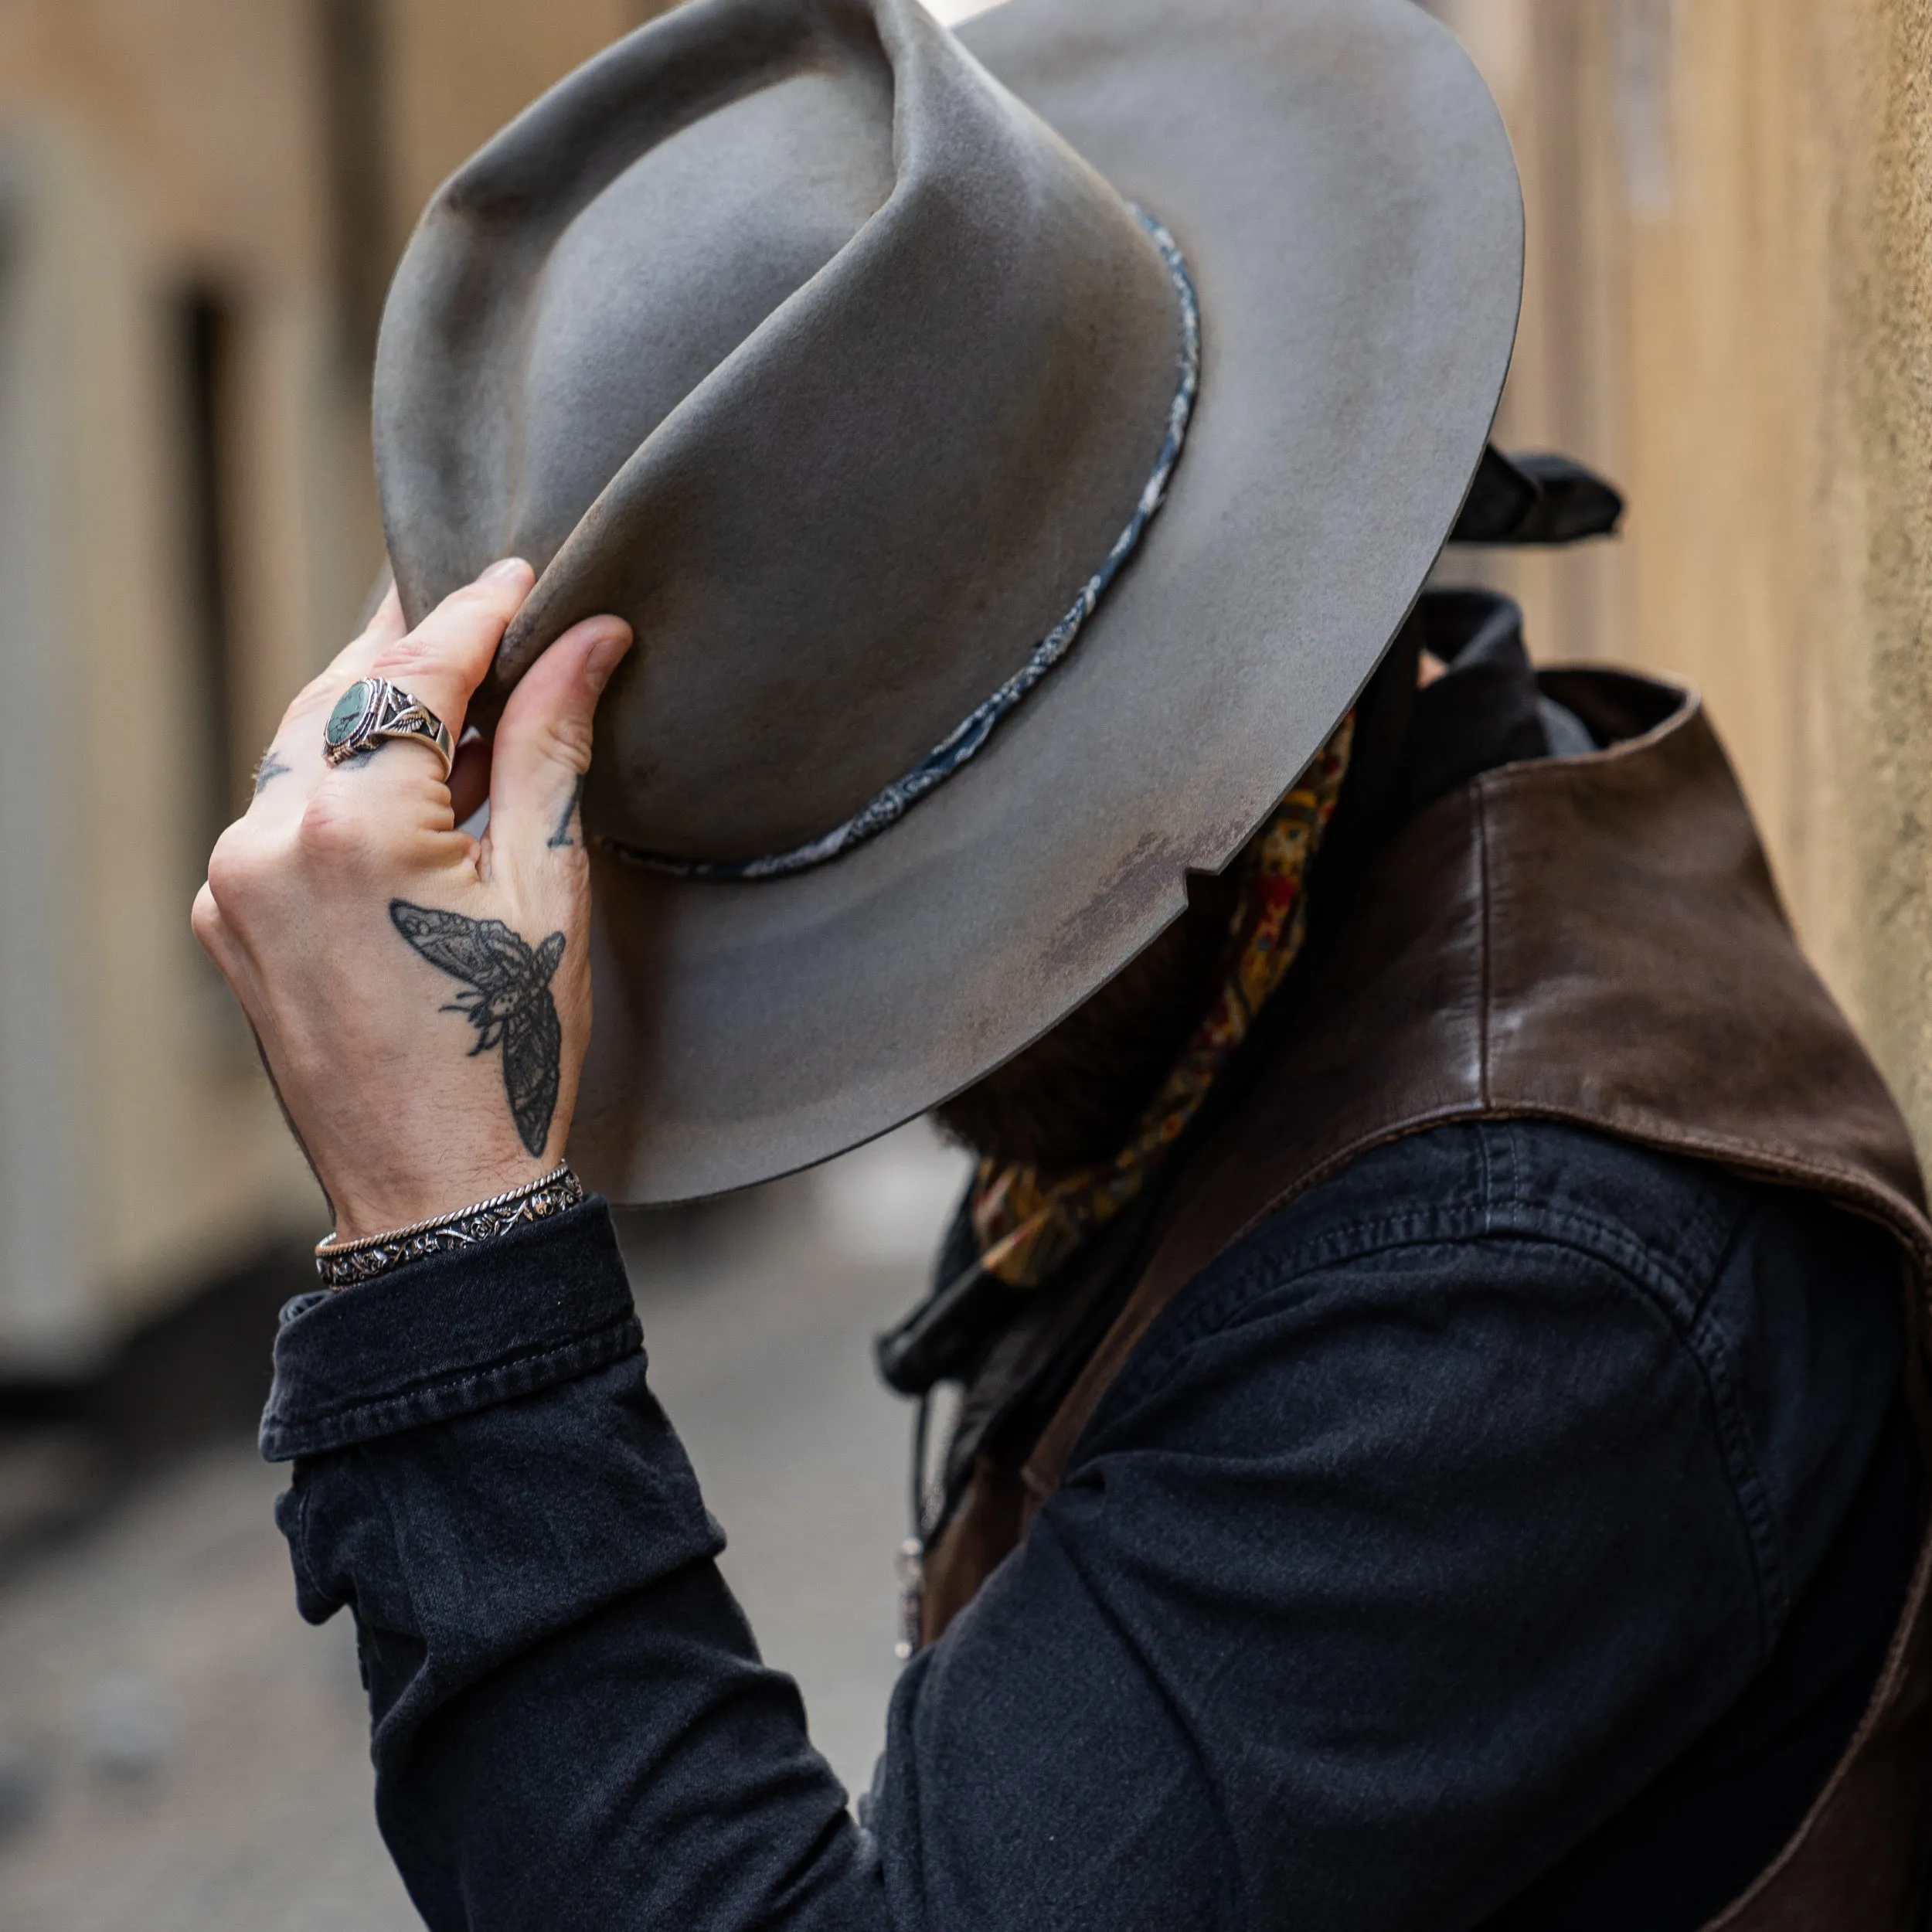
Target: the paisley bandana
(1026, 1227)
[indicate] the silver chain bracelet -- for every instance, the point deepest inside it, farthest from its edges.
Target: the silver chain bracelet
(353, 1262)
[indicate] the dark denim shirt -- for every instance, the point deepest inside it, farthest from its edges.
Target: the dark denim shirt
(1458, 1509)
(1506, 1534)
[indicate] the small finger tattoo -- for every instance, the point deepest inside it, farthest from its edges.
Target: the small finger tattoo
(507, 998)
(564, 838)
(270, 768)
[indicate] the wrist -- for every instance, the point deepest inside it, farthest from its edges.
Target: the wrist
(346, 1263)
(380, 1205)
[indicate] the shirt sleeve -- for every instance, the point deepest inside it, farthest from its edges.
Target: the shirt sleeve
(1401, 1554)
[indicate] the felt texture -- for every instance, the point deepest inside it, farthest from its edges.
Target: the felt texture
(824, 345)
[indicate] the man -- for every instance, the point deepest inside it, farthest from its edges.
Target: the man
(1439, 1311)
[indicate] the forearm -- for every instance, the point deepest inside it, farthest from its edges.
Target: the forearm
(571, 1725)
(641, 1768)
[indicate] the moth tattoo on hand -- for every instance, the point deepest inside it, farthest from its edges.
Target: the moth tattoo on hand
(507, 998)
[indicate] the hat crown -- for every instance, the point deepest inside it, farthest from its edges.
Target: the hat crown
(784, 332)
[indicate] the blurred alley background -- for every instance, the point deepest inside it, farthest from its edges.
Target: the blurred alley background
(1728, 311)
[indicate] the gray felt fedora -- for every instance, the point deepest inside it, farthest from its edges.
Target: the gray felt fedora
(853, 361)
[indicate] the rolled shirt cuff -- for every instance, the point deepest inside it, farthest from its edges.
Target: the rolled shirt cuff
(450, 1334)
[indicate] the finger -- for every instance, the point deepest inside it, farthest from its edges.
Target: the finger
(542, 747)
(292, 765)
(385, 628)
(443, 660)
(382, 632)
(470, 777)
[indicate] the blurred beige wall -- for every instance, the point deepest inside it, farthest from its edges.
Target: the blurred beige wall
(1729, 309)
(200, 203)
(156, 169)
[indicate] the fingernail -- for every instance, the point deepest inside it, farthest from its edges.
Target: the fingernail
(605, 655)
(503, 569)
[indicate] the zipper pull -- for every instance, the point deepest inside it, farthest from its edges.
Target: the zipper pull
(912, 1596)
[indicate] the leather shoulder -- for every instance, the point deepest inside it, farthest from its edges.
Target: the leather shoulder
(1594, 940)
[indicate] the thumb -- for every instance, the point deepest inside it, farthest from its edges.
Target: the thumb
(543, 746)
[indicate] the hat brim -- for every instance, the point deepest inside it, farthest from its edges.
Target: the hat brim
(1341, 184)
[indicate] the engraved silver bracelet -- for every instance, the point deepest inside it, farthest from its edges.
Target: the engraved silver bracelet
(351, 1263)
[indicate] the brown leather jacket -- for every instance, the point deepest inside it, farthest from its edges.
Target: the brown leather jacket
(1597, 940)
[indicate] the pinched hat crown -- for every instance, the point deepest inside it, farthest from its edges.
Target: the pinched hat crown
(849, 359)
(788, 334)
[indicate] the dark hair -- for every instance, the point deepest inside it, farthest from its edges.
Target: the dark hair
(1074, 1095)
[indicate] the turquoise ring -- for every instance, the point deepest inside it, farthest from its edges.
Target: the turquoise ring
(373, 709)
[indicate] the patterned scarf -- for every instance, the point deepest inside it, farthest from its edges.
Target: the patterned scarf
(1026, 1227)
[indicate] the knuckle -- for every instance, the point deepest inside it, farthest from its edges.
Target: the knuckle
(233, 869)
(331, 832)
(415, 653)
(566, 740)
(204, 917)
(319, 694)
(420, 663)
(217, 935)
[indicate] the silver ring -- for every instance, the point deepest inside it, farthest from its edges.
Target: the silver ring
(371, 710)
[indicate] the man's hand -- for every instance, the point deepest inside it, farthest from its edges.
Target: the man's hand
(422, 998)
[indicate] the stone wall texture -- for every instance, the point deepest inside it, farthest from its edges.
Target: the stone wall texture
(1728, 308)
